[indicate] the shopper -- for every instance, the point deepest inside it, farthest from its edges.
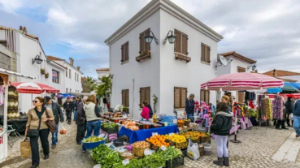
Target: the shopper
(75, 104)
(92, 117)
(225, 99)
(220, 127)
(118, 108)
(36, 127)
(58, 115)
(68, 106)
(190, 107)
(145, 111)
(296, 114)
(289, 106)
(81, 121)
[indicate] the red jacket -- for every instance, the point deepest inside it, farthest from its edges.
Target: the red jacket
(145, 113)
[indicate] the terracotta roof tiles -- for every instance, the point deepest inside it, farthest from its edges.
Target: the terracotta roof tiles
(281, 73)
(103, 69)
(239, 56)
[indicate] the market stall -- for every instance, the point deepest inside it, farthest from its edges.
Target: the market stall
(4, 80)
(241, 81)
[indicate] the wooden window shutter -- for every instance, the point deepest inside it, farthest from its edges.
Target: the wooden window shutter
(208, 60)
(241, 96)
(123, 97)
(202, 95)
(183, 97)
(142, 42)
(202, 52)
(206, 96)
(177, 45)
(127, 51)
(184, 44)
(127, 98)
(122, 53)
(147, 46)
(142, 96)
(177, 98)
(147, 95)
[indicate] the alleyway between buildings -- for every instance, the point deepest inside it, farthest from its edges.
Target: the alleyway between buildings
(258, 147)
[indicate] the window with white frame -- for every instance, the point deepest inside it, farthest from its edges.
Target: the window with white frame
(55, 76)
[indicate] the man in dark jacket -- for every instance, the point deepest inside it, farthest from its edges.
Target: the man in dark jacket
(220, 127)
(81, 121)
(190, 107)
(58, 115)
(297, 118)
(69, 107)
(75, 104)
(289, 107)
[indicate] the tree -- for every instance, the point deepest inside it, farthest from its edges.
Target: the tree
(88, 84)
(105, 87)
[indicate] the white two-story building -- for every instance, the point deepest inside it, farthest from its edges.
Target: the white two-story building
(170, 70)
(32, 60)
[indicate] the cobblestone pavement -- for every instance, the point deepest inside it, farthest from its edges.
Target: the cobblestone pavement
(257, 147)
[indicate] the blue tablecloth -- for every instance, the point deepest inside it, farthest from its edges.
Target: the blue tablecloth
(142, 135)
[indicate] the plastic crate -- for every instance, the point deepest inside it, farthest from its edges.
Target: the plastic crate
(179, 161)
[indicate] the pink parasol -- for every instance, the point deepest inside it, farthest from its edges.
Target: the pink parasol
(33, 88)
(242, 81)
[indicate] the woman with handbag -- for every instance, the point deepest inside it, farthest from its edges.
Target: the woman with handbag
(92, 113)
(37, 127)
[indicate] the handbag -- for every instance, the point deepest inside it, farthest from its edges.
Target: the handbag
(34, 132)
(51, 124)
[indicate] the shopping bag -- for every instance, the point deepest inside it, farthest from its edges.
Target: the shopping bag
(291, 116)
(193, 151)
(25, 149)
(63, 130)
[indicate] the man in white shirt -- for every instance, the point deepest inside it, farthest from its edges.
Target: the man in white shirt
(118, 108)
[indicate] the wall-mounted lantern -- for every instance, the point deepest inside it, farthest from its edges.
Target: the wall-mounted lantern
(150, 37)
(37, 59)
(170, 37)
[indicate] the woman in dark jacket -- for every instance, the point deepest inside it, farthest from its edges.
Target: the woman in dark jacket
(220, 127)
(289, 107)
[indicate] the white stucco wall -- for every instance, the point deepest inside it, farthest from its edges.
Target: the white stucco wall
(71, 83)
(144, 74)
(176, 73)
(2, 34)
(102, 73)
(60, 84)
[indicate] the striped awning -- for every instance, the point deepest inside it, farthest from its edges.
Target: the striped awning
(242, 81)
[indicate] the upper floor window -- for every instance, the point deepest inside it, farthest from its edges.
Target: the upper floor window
(241, 69)
(181, 43)
(125, 52)
(55, 76)
(70, 73)
(144, 47)
(205, 53)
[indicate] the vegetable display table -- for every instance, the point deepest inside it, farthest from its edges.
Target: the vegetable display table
(141, 135)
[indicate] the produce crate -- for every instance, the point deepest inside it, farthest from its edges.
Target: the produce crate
(154, 147)
(184, 152)
(179, 161)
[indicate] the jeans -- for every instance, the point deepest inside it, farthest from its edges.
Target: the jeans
(90, 127)
(55, 136)
(43, 134)
(222, 145)
(296, 124)
(75, 114)
(191, 117)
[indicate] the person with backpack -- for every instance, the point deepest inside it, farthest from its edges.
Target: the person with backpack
(92, 113)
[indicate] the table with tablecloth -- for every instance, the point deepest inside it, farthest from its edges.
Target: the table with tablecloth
(18, 124)
(141, 135)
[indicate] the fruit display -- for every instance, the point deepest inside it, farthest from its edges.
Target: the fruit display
(117, 115)
(179, 141)
(93, 139)
(158, 140)
(131, 125)
(194, 135)
(110, 127)
(180, 123)
(140, 144)
(187, 122)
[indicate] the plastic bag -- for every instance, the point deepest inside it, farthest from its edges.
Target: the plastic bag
(63, 130)
(193, 151)
(291, 116)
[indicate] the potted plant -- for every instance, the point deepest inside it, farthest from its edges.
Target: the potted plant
(42, 71)
(47, 75)
(154, 117)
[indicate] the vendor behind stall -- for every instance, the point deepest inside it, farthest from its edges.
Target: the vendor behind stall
(145, 112)
(118, 108)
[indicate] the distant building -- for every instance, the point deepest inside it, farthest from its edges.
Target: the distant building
(286, 76)
(102, 72)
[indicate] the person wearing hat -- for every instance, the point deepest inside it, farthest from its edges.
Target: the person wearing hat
(58, 116)
(69, 107)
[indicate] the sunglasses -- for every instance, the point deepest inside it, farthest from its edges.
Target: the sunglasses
(34, 101)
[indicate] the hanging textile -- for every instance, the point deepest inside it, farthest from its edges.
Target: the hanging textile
(277, 106)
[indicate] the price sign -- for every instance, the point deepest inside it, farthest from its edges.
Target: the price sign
(175, 121)
(154, 133)
(163, 148)
(148, 152)
(171, 134)
(125, 162)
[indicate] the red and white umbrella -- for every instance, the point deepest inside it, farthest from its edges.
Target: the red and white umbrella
(33, 88)
(242, 81)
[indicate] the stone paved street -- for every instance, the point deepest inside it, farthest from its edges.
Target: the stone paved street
(257, 147)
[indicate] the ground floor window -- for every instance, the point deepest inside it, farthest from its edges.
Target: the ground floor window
(204, 96)
(125, 97)
(180, 95)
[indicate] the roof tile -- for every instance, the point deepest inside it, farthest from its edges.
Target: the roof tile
(234, 54)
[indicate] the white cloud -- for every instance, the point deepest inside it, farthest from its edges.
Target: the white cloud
(57, 17)
(10, 6)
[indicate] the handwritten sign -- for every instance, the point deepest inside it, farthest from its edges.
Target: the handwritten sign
(125, 162)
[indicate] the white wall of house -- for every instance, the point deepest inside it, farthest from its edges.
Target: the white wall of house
(135, 74)
(102, 73)
(2, 35)
(176, 73)
(61, 78)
